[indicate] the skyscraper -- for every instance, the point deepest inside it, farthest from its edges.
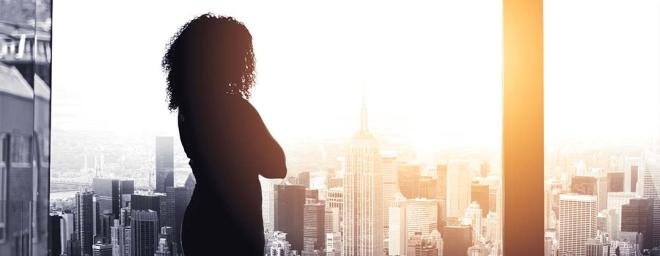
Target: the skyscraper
(314, 227)
(149, 201)
(441, 190)
(457, 240)
(107, 195)
(289, 213)
(363, 195)
(636, 217)
(408, 217)
(390, 181)
(615, 181)
(427, 187)
(480, 193)
(126, 188)
(164, 163)
(408, 177)
(85, 221)
(120, 239)
(144, 225)
(267, 203)
(577, 222)
(458, 188)
(651, 190)
(473, 218)
(177, 202)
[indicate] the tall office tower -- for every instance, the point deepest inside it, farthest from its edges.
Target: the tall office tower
(577, 222)
(480, 193)
(177, 202)
(493, 227)
(650, 188)
(277, 244)
(623, 248)
(144, 225)
(631, 173)
(441, 190)
(601, 181)
(473, 218)
(407, 217)
(636, 217)
(634, 177)
(101, 249)
(120, 240)
(125, 216)
(55, 234)
(396, 229)
(457, 240)
(335, 199)
(149, 201)
(408, 176)
(106, 221)
(126, 189)
(615, 181)
(107, 195)
(427, 187)
(494, 194)
(547, 206)
(164, 163)
(314, 227)
(458, 188)
(267, 203)
(332, 220)
(303, 179)
(390, 181)
(595, 185)
(289, 213)
(363, 195)
(67, 233)
(420, 216)
(333, 244)
(85, 221)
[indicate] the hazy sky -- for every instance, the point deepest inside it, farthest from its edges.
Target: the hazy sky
(432, 70)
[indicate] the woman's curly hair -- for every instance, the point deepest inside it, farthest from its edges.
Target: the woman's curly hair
(214, 49)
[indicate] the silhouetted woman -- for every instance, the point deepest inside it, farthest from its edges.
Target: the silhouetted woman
(210, 70)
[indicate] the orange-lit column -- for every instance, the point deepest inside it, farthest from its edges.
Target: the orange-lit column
(522, 138)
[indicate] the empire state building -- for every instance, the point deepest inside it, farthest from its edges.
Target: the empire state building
(363, 220)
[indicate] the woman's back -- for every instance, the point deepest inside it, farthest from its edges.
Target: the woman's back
(228, 147)
(210, 68)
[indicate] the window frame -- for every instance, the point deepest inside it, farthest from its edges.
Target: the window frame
(522, 127)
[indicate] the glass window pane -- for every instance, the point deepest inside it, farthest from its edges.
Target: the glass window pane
(389, 115)
(602, 102)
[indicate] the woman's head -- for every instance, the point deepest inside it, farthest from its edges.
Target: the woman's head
(209, 54)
